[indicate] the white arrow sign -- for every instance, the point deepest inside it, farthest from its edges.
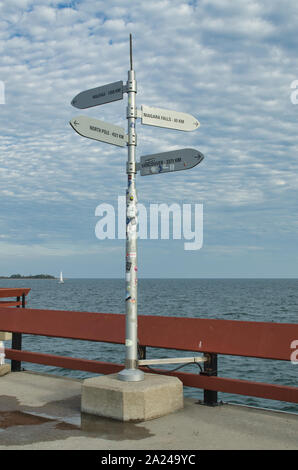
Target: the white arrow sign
(170, 119)
(100, 95)
(99, 130)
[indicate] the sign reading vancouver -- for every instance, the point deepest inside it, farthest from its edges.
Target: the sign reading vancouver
(175, 160)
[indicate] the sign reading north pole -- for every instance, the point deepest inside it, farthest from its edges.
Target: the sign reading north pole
(99, 95)
(165, 162)
(99, 130)
(169, 119)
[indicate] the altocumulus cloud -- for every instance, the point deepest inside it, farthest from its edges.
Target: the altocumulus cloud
(230, 64)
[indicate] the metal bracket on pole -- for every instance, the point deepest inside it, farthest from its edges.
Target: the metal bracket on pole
(131, 167)
(131, 85)
(131, 112)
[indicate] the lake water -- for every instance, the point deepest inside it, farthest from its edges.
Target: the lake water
(269, 300)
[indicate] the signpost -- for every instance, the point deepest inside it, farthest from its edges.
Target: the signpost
(169, 161)
(131, 371)
(100, 95)
(99, 130)
(150, 164)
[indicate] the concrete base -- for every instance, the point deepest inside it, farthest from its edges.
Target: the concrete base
(5, 336)
(155, 396)
(4, 369)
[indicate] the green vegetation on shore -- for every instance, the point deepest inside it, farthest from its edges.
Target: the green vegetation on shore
(36, 276)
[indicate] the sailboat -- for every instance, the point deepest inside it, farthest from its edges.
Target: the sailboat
(61, 278)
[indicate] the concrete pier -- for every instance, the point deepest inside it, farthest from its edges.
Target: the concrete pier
(39, 411)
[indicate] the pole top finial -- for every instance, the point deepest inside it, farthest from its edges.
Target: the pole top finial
(130, 50)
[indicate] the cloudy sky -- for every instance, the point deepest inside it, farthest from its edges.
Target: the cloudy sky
(230, 64)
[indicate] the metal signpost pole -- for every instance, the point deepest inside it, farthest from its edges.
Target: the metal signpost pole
(165, 162)
(131, 373)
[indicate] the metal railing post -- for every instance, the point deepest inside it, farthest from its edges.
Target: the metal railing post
(210, 369)
(141, 352)
(16, 342)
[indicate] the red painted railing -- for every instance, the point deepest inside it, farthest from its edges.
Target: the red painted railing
(20, 294)
(211, 337)
(7, 292)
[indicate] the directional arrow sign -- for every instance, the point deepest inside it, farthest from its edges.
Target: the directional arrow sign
(170, 119)
(100, 95)
(169, 161)
(99, 130)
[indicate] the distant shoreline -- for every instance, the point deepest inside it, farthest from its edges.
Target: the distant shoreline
(36, 276)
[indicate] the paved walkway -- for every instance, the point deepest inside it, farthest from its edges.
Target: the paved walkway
(43, 412)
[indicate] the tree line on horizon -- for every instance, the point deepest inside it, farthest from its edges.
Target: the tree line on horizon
(36, 276)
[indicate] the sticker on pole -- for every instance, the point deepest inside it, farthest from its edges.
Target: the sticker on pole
(99, 95)
(169, 119)
(175, 160)
(99, 130)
